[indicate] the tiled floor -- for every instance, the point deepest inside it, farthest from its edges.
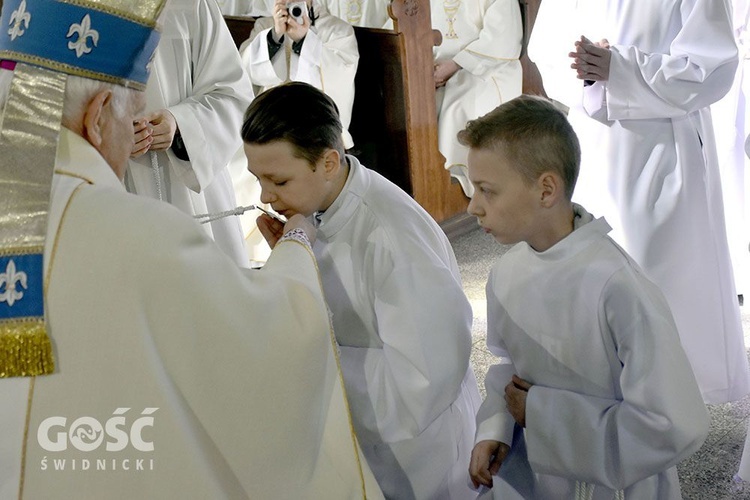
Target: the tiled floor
(707, 475)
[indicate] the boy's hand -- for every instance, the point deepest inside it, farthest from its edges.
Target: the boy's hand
(515, 398)
(486, 459)
(271, 229)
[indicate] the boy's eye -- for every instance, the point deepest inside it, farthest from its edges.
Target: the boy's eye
(279, 183)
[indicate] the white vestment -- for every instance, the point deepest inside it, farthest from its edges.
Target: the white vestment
(366, 13)
(328, 61)
(403, 325)
(731, 119)
(614, 403)
(198, 77)
(649, 161)
(178, 373)
(484, 38)
(246, 8)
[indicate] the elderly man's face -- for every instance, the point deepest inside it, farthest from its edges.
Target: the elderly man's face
(118, 135)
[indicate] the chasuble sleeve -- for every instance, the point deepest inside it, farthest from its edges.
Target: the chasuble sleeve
(660, 418)
(424, 322)
(210, 114)
(237, 344)
(692, 75)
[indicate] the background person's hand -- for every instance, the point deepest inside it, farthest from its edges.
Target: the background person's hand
(591, 60)
(163, 129)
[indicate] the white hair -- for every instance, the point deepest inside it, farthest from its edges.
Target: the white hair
(79, 91)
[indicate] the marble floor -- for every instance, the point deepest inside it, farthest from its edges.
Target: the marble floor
(707, 475)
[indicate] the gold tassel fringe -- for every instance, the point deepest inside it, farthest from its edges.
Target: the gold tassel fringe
(25, 349)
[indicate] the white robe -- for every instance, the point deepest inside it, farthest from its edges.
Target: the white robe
(328, 61)
(731, 119)
(649, 162)
(153, 316)
(365, 13)
(246, 8)
(614, 401)
(484, 38)
(198, 77)
(403, 325)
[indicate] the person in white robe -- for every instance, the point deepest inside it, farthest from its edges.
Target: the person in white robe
(198, 86)
(591, 377)
(322, 51)
(365, 13)
(401, 319)
(477, 68)
(731, 119)
(649, 160)
(176, 373)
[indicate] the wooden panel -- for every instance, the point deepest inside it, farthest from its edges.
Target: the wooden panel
(240, 28)
(430, 182)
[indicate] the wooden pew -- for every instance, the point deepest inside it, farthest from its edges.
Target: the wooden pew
(394, 120)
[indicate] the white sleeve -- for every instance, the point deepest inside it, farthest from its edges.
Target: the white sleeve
(330, 59)
(498, 43)
(256, 59)
(693, 75)
(493, 420)
(424, 322)
(659, 420)
(209, 119)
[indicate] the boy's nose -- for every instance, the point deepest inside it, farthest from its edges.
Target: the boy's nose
(473, 208)
(266, 196)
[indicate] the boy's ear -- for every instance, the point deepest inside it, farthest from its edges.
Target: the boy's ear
(332, 162)
(92, 118)
(551, 189)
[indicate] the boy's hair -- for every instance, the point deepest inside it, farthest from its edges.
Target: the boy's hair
(534, 135)
(298, 113)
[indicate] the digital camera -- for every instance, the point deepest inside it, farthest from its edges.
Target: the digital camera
(297, 11)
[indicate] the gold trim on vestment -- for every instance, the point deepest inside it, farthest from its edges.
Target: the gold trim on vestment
(334, 346)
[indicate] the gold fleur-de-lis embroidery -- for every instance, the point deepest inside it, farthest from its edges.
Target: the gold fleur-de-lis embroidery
(8, 279)
(84, 32)
(18, 19)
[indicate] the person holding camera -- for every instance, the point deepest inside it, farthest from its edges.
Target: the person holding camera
(303, 42)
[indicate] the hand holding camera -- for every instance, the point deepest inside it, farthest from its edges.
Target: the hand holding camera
(290, 18)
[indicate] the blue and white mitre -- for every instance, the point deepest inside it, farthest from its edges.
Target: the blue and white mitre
(42, 42)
